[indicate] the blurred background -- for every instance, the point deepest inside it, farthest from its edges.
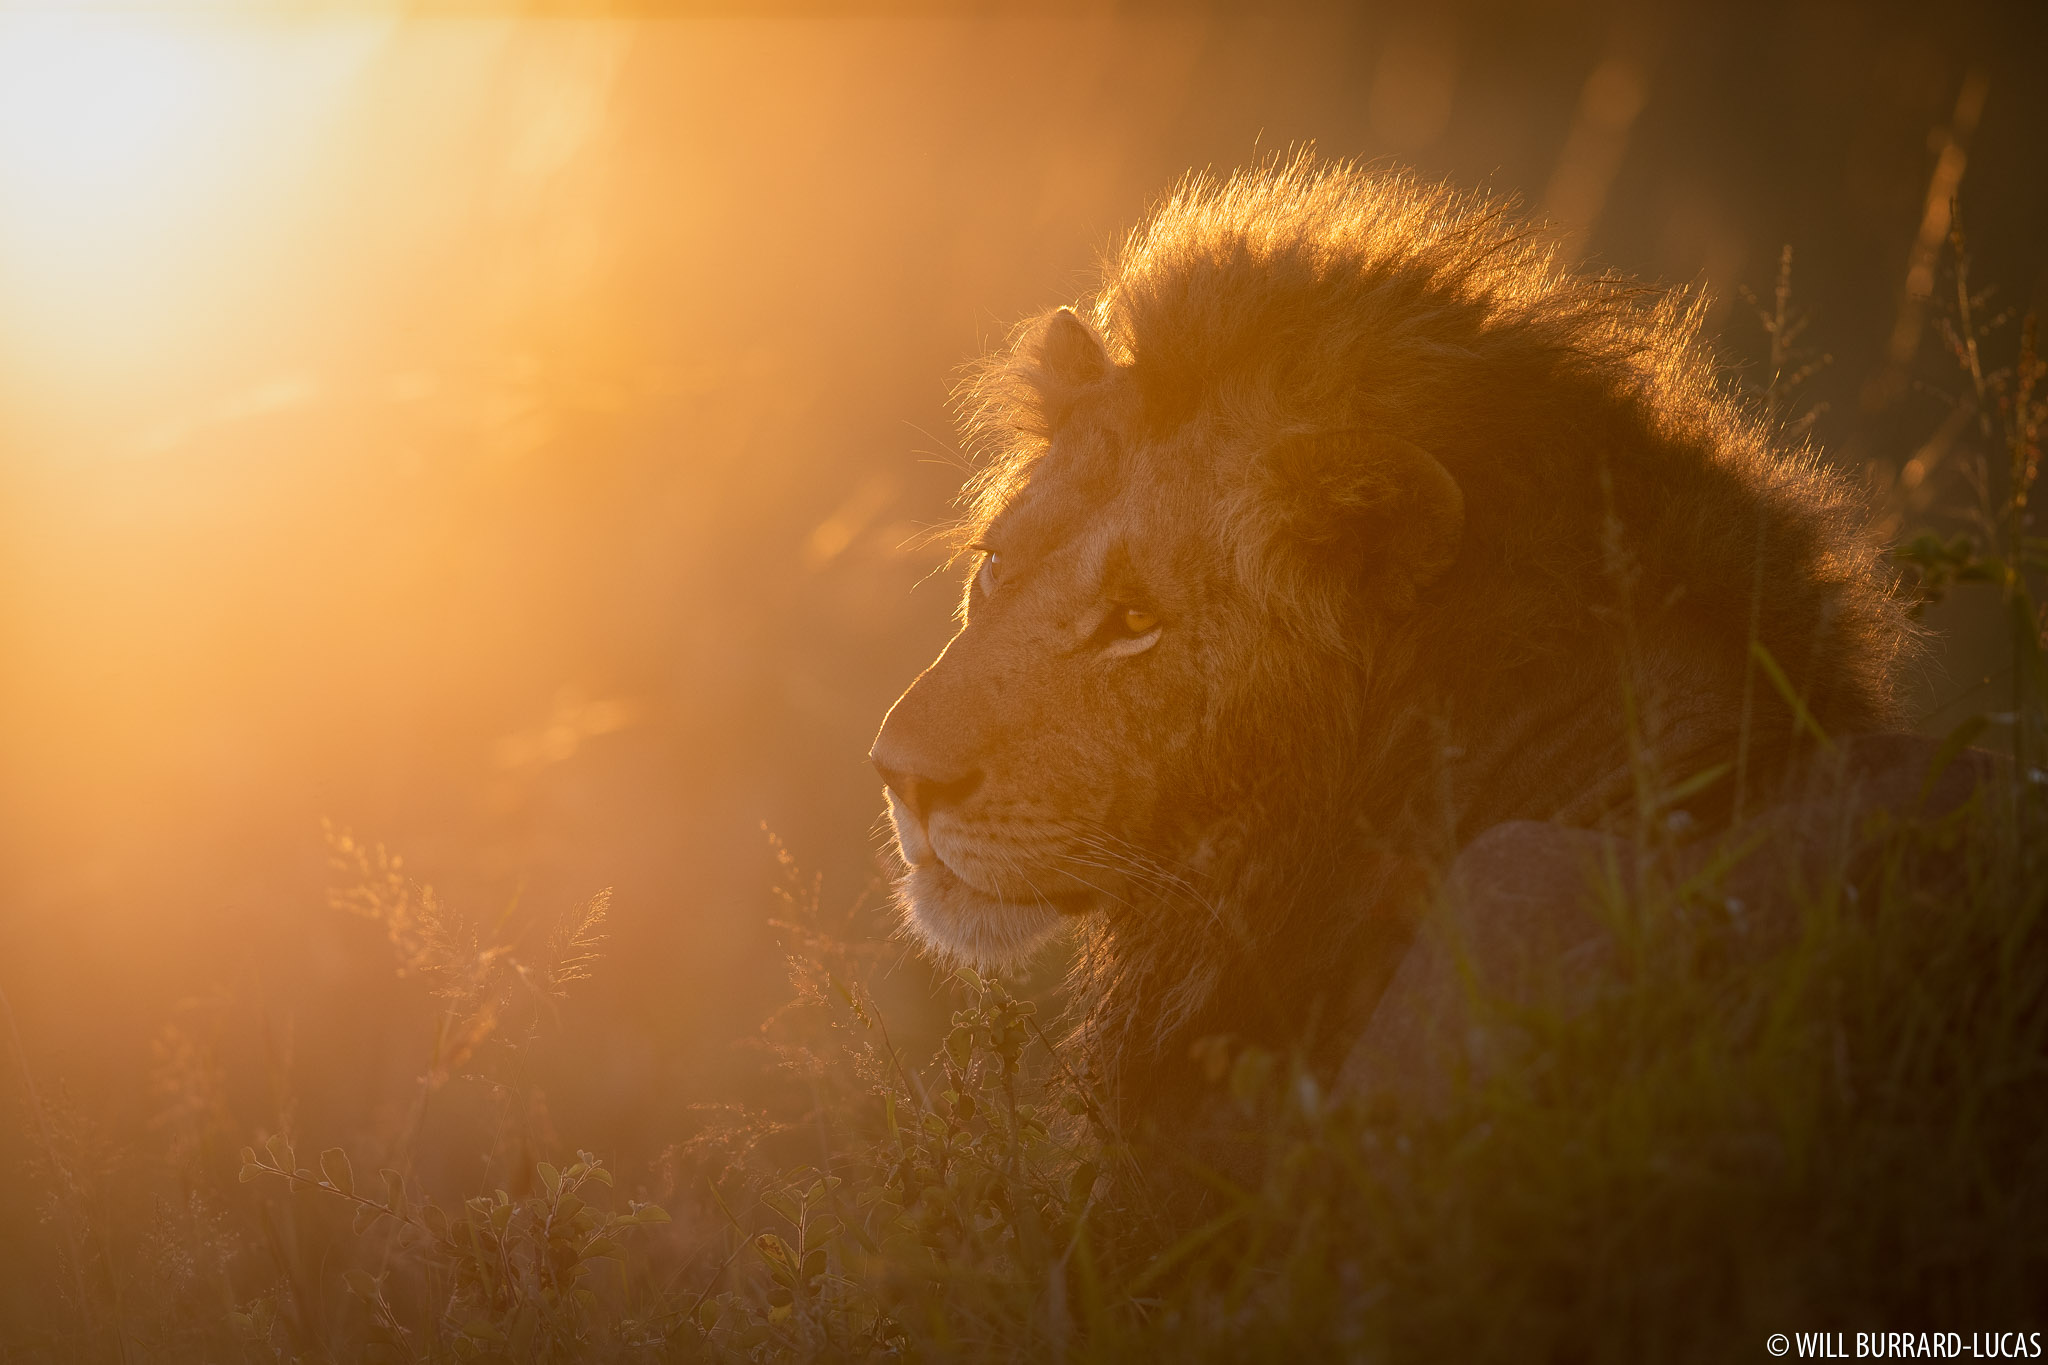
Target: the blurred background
(513, 438)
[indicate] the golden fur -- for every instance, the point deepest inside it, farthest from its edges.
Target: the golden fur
(1425, 531)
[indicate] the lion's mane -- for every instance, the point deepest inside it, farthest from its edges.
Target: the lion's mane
(1631, 526)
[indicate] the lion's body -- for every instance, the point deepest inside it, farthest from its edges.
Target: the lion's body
(1355, 663)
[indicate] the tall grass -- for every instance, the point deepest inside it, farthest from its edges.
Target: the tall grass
(1841, 1127)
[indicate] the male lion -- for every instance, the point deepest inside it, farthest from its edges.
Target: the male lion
(1344, 522)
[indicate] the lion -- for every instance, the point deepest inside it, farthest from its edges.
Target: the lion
(1343, 522)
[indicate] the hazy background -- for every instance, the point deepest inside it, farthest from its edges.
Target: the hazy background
(511, 439)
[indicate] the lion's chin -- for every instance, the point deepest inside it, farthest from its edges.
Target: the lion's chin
(961, 924)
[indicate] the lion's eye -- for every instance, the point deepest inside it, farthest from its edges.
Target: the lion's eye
(991, 570)
(1128, 631)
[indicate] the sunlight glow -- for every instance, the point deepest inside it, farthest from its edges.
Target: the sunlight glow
(129, 141)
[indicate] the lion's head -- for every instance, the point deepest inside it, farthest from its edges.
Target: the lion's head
(1113, 687)
(1341, 523)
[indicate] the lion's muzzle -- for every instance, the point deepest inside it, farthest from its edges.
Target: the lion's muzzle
(911, 839)
(922, 780)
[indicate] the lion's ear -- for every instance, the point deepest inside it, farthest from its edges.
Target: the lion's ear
(1070, 351)
(1383, 504)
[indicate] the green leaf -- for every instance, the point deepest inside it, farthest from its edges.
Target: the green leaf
(1802, 717)
(361, 1285)
(823, 1230)
(1958, 740)
(280, 1152)
(814, 1264)
(604, 1248)
(334, 1165)
(707, 1314)
(601, 1176)
(1697, 783)
(772, 1248)
(650, 1214)
(550, 1177)
(394, 1191)
(1160, 1265)
(971, 979)
(1990, 569)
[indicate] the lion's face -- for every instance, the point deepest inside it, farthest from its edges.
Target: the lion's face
(1122, 682)
(1029, 767)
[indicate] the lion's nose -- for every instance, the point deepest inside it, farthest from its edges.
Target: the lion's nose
(925, 795)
